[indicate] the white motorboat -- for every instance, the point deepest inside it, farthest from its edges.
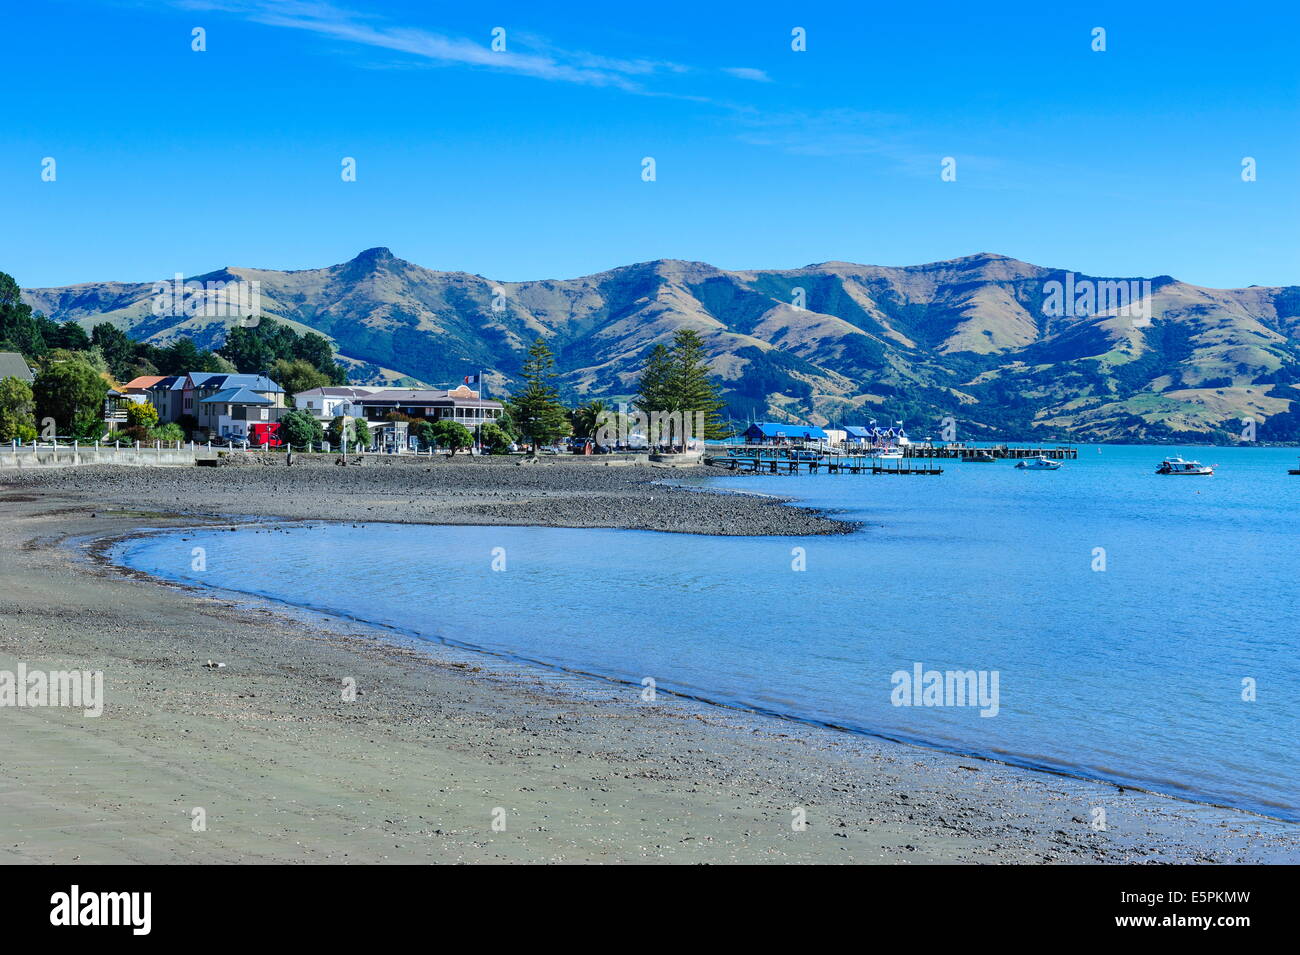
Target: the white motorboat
(1039, 463)
(1186, 468)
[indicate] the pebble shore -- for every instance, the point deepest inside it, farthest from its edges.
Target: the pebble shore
(440, 744)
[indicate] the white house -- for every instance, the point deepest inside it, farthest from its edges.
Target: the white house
(461, 404)
(326, 404)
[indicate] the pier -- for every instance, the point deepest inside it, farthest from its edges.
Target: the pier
(755, 460)
(999, 451)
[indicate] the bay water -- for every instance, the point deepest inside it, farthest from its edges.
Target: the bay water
(1122, 626)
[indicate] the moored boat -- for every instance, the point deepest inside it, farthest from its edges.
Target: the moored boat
(977, 457)
(1039, 463)
(805, 454)
(1185, 468)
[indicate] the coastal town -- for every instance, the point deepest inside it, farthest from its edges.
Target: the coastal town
(716, 434)
(254, 411)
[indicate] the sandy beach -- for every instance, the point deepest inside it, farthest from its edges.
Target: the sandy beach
(440, 744)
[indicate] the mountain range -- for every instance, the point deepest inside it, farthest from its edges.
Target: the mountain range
(983, 340)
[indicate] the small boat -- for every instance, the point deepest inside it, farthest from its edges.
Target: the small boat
(1186, 468)
(805, 454)
(890, 455)
(1294, 471)
(1039, 463)
(977, 457)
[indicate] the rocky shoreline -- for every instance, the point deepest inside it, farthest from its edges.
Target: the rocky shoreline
(557, 492)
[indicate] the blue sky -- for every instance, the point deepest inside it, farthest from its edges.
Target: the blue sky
(527, 164)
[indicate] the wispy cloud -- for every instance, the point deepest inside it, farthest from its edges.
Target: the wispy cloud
(540, 60)
(748, 73)
(824, 132)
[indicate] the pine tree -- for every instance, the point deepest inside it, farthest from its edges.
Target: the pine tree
(677, 381)
(654, 393)
(536, 409)
(693, 389)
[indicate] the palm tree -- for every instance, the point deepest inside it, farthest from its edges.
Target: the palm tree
(587, 418)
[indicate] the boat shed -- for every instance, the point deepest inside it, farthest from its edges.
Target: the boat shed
(780, 432)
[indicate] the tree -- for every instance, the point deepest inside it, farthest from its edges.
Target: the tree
(246, 350)
(17, 411)
(676, 381)
(654, 393)
(536, 409)
(693, 389)
(19, 331)
(451, 434)
(587, 418)
(295, 375)
(338, 431)
(361, 430)
(507, 425)
(317, 352)
(424, 433)
(117, 347)
(300, 428)
(183, 356)
(143, 416)
(254, 348)
(72, 337)
(493, 438)
(70, 390)
(169, 433)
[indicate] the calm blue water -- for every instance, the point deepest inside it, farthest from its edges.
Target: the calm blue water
(1132, 674)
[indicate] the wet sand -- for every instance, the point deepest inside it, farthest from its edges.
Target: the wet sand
(440, 744)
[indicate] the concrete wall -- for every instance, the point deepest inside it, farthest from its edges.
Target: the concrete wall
(34, 456)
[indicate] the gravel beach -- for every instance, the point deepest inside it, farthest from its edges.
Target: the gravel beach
(447, 756)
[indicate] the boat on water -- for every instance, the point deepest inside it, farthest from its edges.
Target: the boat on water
(893, 454)
(977, 457)
(804, 454)
(1294, 471)
(1185, 468)
(1039, 463)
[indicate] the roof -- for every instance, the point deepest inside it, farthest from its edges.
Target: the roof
(425, 396)
(237, 396)
(214, 379)
(782, 429)
(142, 382)
(859, 431)
(12, 365)
(336, 392)
(207, 379)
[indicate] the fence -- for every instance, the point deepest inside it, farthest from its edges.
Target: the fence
(37, 455)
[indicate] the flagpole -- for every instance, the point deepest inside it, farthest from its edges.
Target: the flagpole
(478, 432)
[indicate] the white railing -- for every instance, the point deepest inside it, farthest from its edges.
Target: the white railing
(54, 455)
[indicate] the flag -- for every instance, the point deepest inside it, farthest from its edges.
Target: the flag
(473, 379)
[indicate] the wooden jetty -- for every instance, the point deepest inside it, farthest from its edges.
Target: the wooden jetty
(773, 461)
(1001, 451)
